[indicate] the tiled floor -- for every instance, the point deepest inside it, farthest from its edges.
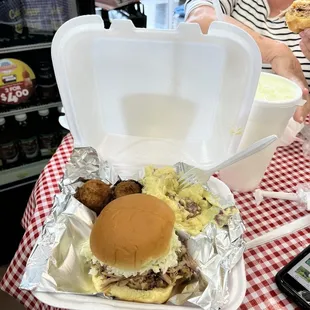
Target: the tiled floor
(7, 302)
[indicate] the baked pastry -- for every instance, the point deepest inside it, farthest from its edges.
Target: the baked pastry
(297, 16)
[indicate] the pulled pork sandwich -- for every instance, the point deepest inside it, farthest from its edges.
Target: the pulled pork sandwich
(134, 252)
(297, 16)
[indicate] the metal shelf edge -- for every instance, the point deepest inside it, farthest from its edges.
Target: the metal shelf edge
(30, 109)
(22, 48)
(22, 172)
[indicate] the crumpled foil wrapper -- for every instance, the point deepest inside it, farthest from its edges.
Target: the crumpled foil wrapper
(303, 193)
(55, 263)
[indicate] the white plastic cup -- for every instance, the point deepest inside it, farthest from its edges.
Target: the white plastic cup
(269, 115)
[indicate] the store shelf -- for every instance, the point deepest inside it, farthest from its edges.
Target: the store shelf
(22, 172)
(22, 48)
(27, 109)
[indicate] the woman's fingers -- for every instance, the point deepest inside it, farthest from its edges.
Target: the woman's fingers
(302, 112)
(305, 43)
(304, 48)
(298, 115)
(305, 93)
(306, 110)
(301, 84)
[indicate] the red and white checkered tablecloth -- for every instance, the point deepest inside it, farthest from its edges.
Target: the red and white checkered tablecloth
(288, 168)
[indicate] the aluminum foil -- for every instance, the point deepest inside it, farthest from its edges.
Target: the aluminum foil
(55, 264)
(303, 193)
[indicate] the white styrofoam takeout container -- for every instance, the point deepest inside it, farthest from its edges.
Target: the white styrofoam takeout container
(141, 96)
(132, 93)
(236, 284)
(237, 289)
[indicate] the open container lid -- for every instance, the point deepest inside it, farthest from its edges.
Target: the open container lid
(141, 96)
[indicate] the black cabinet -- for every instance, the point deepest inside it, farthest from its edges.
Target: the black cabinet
(13, 201)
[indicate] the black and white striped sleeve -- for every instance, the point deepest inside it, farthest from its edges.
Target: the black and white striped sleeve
(227, 5)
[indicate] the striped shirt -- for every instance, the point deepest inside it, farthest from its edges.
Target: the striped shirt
(255, 15)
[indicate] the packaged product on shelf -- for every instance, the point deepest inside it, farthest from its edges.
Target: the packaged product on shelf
(47, 89)
(9, 152)
(48, 140)
(11, 22)
(28, 140)
(17, 82)
(45, 17)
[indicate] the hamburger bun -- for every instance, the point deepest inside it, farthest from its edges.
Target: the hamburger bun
(131, 231)
(297, 16)
(155, 296)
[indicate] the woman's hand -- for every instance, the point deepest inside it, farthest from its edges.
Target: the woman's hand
(305, 48)
(287, 65)
(305, 43)
(273, 52)
(302, 112)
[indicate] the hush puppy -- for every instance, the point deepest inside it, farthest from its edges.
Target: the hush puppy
(94, 194)
(124, 188)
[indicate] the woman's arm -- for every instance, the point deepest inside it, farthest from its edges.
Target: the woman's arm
(281, 58)
(205, 15)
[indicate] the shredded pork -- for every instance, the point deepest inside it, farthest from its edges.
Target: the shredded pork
(149, 280)
(190, 206)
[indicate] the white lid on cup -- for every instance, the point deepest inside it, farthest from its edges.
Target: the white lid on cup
(274, 90)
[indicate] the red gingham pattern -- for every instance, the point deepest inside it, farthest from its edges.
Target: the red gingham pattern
(38, 208)
(288, 168)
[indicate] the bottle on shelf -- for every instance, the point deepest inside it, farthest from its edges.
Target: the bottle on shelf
(9, 152)
(11, 23)
(28, 140)
(46, 81)
(48, 140)
(43, 18)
